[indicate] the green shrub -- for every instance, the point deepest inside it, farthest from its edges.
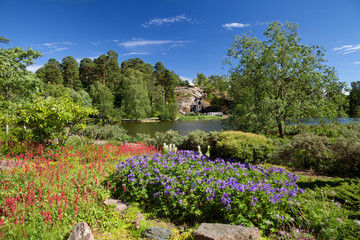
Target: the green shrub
(330, 207)
(145, 138)
(246, 147)
(194, 139)
(305, 151)
(346, 156)
(107, 132)
(330, 130)
(169, 137)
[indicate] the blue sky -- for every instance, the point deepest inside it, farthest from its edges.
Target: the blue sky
(187, 36)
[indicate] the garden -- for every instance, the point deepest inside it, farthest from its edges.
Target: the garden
(221, 177)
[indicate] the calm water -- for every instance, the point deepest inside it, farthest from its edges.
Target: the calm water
(183, 127)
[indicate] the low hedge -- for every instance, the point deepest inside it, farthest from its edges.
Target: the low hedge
(245, 147)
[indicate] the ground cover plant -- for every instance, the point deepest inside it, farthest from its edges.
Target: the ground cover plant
(189, 187)
(58, 188)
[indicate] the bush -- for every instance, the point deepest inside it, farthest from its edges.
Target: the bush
(194, 139)
(246, 147)
(107, 132)
(305, 151)
(169, 137)
(145, 138)
(346, 156)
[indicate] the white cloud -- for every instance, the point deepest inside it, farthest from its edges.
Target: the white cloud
(33, 68)
(61, 49)
(346, 49)
(356, 62)
(48, 44)
(135, 53)
(162, 21)
(188, 79)
(79, 59)
(137, 43)
(230, 26)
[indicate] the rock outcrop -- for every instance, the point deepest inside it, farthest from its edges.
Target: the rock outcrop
(186, 96)
(216, 231)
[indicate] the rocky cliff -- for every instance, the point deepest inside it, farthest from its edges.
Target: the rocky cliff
(186, 96)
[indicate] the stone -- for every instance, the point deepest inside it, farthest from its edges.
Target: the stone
(157, 233)
(120, 205)
(217, 231)
(81, 231)
(185, 97)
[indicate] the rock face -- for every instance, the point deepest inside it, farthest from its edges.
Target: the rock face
(81, 231)
(216, 231)
(186, 96)
(120, 205)
(157, 233)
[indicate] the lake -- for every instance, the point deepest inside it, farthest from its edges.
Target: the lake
(183, 127)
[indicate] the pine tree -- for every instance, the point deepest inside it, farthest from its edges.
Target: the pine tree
(50, 72)
(70, 72)
(86, 72)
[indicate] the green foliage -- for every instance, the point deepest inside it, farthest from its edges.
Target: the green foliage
(86, 72)
(70, 72)
(305, 151)
(106, 132)
(280, 79)
(81, 97)
(135, 103)
(17, 141)
(16, 83)
(354, 99)
(52, 118)
(246, 147)
(50, 72)
(194, 139)
(345, 156)
(103, 99)
(330, 207)
(168, 137)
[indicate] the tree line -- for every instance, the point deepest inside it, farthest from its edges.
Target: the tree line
(134, 89)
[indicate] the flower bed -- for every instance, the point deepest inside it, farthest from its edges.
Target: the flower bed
(190, 187)
(57, 189)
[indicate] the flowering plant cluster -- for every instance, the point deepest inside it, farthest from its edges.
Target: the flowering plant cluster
(56, 189)
(187, 186)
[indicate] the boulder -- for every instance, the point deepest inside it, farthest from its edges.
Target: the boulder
(120, 205)
(216, 231)
(81, 231)
(157, 233)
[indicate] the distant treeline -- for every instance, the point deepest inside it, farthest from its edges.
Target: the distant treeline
(134, 89)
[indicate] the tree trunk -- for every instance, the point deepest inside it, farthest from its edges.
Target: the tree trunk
(281, 129)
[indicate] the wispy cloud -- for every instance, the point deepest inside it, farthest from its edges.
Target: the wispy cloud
(58, 49)
(230, 26)
(346, 49)
(57, 43)
(138, 43)
(135, 53)
(162, 21)
(356, 62)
